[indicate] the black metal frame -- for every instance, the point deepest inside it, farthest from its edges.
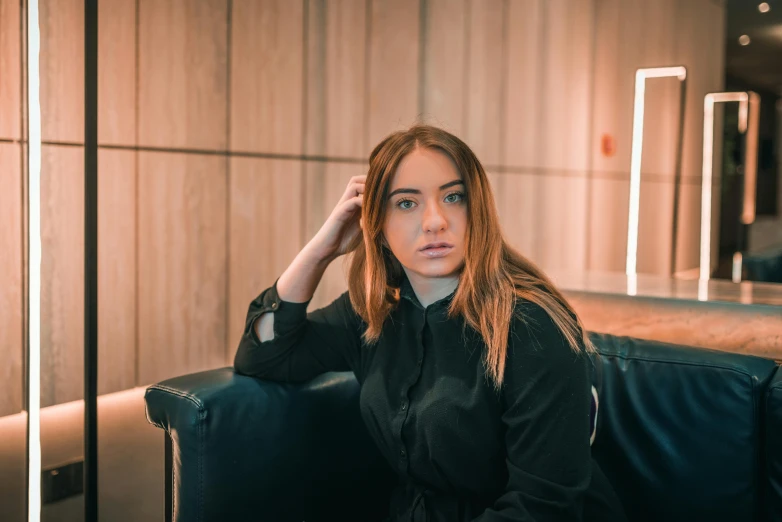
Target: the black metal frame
(91, 260)
(678, 174)
(169, 477)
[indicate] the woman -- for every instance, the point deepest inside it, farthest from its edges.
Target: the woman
(473, 368)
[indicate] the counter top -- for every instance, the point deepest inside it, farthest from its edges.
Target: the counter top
(714, 290)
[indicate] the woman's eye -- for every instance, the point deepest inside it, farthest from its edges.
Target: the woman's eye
(408, 204)
(454, 197)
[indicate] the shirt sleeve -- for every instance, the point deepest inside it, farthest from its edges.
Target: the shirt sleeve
(304, 345)
(547, 398)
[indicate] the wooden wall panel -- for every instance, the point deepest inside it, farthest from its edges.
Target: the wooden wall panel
(183, 79)
(701, 28)
(117, 274)
(484, 79)
(326, 182)
(182, 264)
(445, 60)
(11, 65)
(524, 84)
(117, 72)
(265, 232)
(62, 70)
(266, 76)
(517, 207)
(62, 274)
(336, 79)
(11, 280)
(610, 200)
(567, 84)
(394, 67)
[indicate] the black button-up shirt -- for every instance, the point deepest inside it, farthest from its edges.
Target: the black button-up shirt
(462, 450)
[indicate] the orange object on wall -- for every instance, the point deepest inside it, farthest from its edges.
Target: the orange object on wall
(607, 145)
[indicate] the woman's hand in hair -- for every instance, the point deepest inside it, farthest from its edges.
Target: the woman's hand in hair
(343, 226)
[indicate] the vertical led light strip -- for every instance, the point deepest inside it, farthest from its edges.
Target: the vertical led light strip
(641, 75)
(751, 160)
(746, 102)
(34, 268)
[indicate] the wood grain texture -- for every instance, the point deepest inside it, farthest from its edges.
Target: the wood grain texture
(11, 67)
(702, 29)
(730, 327)
(62, 274)
(445, 65)
(566, 46)
(484, 80)
(336, 80)
(514, 195)
(265, 230)
(524, 84)
(62, 70)
(11, 281)
(394, 67)
(266, 76)
(182, 264)
(183, 78)
(117, 72)
(325, 184)
(117, 274)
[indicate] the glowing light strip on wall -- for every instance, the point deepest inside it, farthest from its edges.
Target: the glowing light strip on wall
(34, 268)
(748, 103)
(641, 75)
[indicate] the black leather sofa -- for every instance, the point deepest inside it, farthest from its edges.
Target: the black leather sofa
(684, 434)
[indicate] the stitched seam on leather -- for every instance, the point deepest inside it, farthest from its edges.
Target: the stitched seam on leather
(173, 480)
(682, 363)
(178, 393)
(200, 466)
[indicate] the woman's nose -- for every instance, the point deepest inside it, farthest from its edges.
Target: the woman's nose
(434, 220)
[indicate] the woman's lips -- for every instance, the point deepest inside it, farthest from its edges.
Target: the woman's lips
(437, 251)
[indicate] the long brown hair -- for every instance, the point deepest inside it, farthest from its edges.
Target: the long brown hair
(494, 276)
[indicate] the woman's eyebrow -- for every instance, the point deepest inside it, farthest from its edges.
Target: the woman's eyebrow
(416, 191)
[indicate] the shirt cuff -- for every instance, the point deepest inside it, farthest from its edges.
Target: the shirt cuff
(287, 315)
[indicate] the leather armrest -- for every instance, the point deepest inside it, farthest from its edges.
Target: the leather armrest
(247, 449)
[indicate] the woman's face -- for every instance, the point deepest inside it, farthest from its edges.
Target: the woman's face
(426, 215)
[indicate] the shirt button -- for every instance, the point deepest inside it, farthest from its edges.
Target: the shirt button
(404, 406)
(402, 453)
(274, 306)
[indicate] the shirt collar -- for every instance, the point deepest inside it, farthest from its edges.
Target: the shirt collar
(406, 292)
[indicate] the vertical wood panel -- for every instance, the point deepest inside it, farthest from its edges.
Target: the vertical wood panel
(117, 72)
(445, 58)
(517, 208)
(265, 232)
(567, 80)
(183, 73)
(11, 67)
(608, 224)
(117, 330)
(561, 241)
(326, 182)
(62, 70)
(336, 93)
(62, 274)
(182, 263)
(484, 80)
(266, 76)
(11, 284)
(393, 70)
(698, 25)
(524, 83)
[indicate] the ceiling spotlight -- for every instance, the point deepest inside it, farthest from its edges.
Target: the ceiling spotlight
(744, 39)
(763, 7)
